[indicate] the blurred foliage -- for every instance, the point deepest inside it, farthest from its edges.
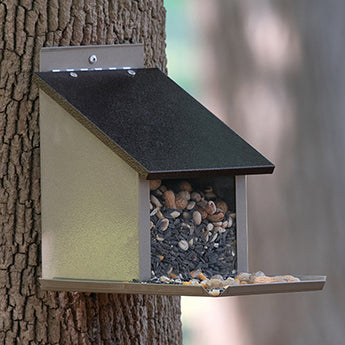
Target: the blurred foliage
(182, 41)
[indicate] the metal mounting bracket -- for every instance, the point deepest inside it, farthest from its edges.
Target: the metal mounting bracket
(84, 58)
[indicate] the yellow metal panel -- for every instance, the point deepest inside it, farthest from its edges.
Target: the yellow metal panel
(90, 203)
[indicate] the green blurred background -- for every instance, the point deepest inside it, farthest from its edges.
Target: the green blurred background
(274, 71)
(182, 46)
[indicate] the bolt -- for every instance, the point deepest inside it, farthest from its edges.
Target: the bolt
(92, 59)
(131, 72)
(73, 74)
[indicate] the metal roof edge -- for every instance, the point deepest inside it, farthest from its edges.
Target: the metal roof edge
(263, 166)
(197, 173)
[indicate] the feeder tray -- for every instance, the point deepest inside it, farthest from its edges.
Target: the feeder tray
(108, 127)
(306, 283)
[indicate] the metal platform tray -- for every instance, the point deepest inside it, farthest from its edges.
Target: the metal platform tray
(306, 283)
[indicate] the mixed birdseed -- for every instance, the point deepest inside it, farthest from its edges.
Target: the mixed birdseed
(193, 239)
(192, 230)
(216, 285)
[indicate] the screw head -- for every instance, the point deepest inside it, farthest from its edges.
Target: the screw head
(131, 72)
(92, 59)
(73, 74)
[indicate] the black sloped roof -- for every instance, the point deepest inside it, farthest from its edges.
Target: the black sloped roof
(153, 124)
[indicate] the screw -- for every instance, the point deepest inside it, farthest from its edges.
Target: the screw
(73, 74)
(92, 59)
(131, 72)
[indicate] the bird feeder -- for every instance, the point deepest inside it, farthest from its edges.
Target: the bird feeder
(109, 126)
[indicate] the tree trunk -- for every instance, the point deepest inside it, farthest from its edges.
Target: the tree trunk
(27, 314)
(280, 72)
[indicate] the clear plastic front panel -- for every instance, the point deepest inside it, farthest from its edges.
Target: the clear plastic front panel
(193, 228)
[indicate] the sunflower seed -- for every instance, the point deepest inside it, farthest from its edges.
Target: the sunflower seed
(160, 214)
(195, 196)
(209, 227)
(155, 201)
(197, 217)
(165, 279)
(183, 245)
(154, 212)
(214, 237)
(162, 224)
(175, 214)
(191, 205)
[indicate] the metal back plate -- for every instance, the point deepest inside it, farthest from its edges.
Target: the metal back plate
(92, 57)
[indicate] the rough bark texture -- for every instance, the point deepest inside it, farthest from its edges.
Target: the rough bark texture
(28, 315)
(282, 80)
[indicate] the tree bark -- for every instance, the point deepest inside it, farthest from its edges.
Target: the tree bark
(280, 75)
(27, 314)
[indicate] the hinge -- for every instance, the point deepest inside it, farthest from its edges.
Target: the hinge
(93, 69)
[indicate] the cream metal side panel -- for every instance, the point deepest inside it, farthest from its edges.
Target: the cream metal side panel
(90, 203)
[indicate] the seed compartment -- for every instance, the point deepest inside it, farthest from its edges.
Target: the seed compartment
(199, 231)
